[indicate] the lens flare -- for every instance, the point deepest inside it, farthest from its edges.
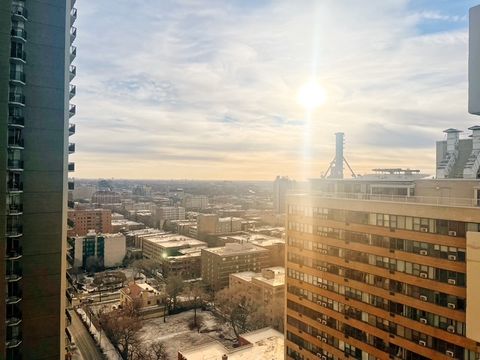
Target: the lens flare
(311, 95)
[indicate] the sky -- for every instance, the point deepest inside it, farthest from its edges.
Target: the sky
(191, 89)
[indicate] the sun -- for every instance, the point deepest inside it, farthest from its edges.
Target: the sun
(311, 95)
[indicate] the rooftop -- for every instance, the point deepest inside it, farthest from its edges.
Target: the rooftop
(173, 240)
(264, 344)
(231, 249)
(256, 239)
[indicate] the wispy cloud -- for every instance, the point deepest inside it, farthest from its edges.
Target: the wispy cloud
(206, 89)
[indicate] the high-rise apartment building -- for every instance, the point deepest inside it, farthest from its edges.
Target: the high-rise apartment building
(280, 187)
(377, 268)
(35, 71)
(82, 221)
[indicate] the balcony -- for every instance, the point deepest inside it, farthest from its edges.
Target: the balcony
(17, 77)
(71, 185)
(14, 252)
(13, 275)
(13, 342)
(14, 186)
(71, 148)
(71, 129)
(69, 317)
(73, 53)
(15, 165)
(71, 166)
(73, 72)
(71, 204)
(73, 34)
(14, 209)
(71, 225)
(15, 120)
(14, 298)
(17, 99)
(14, 230)
(73, 110)
(18, 33)
(15, 142)
(73, 91)
(17, 54)
(73, 15)
(19, 13)
(13, 316)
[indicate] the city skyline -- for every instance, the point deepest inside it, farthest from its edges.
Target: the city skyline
(208, 90)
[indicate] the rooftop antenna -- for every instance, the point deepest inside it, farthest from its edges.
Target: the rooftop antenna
(335, 169)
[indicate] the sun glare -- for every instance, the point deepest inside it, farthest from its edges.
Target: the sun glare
(311, 95)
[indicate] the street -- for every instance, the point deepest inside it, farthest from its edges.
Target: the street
(83, 340)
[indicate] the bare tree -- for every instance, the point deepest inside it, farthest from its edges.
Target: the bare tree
(146, 266)
(242, 314)
(174, 286)
(196, 294)
(122, 327)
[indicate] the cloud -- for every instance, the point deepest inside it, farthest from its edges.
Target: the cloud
(199, 89)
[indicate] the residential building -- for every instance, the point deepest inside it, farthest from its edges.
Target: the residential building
(265, 344)
(160, 247)
(35, 91)
(274, 245)
(134, 237)
(195, 202)
(280, 187)
(140, 295)
(187, 263)
(84, 192)
(266, 290)
(85, 220)
(219, 262)
(106, 197)
(165, 213)
(126, 225)
(211, 224)
(108, 250)
(372, 274)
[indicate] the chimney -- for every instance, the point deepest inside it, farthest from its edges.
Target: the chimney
(453, 136)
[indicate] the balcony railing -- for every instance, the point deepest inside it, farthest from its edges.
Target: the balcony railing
(13, 275)
(73, 53)
(73, 72)
(20, 11)
(14, 230)
(17, 76)
(15, 164)
(71, 204)
(71, 129)
(13, 342)
(14, 252)
(18, 54)
(73, 34)
(19, 33)
(70, 224)
(73, 91)
(73, 15)
(73, 110)
(71, 148)
(14, 209)
(14, 120)
(16, 98)
(15, 141)
(14, 298)
(71, 166)
(71, 185)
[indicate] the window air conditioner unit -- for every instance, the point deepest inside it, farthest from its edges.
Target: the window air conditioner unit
(324, 304)
(324, 252)
(452, 281)
(422, 342)
(324, 269)
(324, 322)
(452, 257)
(319, 337)
(423, 298)
(452, 233)
(318, 319)
(324, 339)
(450, 353)
(423, 320)
(423, 252)
(324, 357)
(324, 316)
(424, 229)
(324, 287)
(423, 275)
(451, 329)
(319, 354)
(451, 305)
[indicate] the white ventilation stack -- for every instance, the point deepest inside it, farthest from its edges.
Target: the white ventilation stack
(446, 165)
(472, 166)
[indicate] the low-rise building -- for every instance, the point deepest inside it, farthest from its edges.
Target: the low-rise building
(263, 344)
(165, 213)
(266, 290)
(195, 202)
(126, 225)
(103, 250)
(219, 262)
(140, 295)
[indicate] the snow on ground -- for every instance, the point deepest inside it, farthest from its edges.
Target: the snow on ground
(105, 344)
(176, 334)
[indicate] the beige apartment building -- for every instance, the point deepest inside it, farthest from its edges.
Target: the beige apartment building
(275, 245)
(383, 268)
(219, 262)
(266, 290)
(82, 221)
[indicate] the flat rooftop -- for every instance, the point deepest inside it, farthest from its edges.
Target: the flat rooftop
(231, 249)
(173, 240)
(265, 344)
(256, 239)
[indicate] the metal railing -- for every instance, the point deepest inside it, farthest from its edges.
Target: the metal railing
(17, 32)
(17, 76)
(425, 200)
(19, 10)
(18, 54)
(16, 98)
